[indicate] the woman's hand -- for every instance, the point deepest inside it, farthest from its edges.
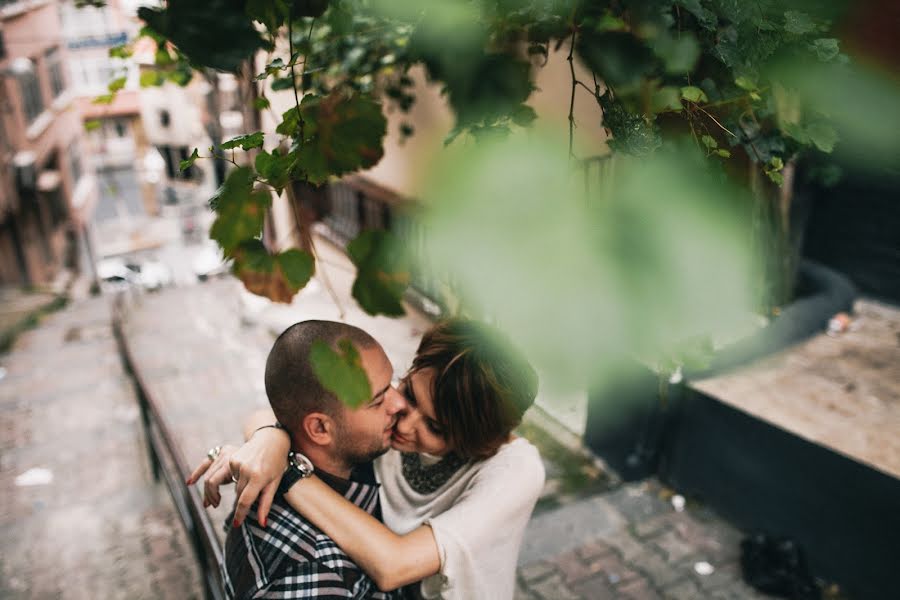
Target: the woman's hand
(217, 473)
(256, 467)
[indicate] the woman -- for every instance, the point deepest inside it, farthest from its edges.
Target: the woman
(457, 488)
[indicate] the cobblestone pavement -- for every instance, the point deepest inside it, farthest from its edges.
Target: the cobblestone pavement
(92, 523)
(594, 540)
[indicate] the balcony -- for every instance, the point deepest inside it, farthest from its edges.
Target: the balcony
(101, 40)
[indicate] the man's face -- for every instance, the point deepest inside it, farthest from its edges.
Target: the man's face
(365, 433)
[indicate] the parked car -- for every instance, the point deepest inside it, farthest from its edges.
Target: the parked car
(209, 262)
(116, 273)
(152, 275)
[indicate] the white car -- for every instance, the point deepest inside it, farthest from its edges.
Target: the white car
(151, 275)
(209, 262)
(114, 275)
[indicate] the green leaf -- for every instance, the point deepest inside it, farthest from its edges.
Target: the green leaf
(240, 209)
(277, 277)
(121, 51)
(246, 142)
(798, 23)
(722, 152)
(117, 84)
(823, 135)
(308, 8)
(297, 266)
(692, 93)
(214, 33)
(290, 122)
(523, 115)
(617, 57)
(150, 78)
(271, 13)
(261, 103)
(283, 83)
(181, 75)
(92, 125)
(745, 83)
(776, 163)
(705, 17)
(666, 99)
(679, 54)
(776, 177)
(344, 134)
(104, 99)
(382, 272)
(275, 168)
(162, 57)
(341, 372)
(631, 133)
(826, 48)
(709, 141)
(189, 162)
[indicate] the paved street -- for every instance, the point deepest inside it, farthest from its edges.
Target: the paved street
(203, 350)
(80, 514)
(100, 528)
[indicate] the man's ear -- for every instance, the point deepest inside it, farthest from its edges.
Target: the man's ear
(319, 428)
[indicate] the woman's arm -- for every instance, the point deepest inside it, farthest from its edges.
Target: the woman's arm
(258, 465)
(391, 560)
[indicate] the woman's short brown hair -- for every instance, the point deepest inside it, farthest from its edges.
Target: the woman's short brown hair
(482, 385)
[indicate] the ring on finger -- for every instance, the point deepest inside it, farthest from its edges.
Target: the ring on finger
(213, 453)
(234, 478)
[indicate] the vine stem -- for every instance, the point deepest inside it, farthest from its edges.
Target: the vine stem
(575, 82)
(716, 121)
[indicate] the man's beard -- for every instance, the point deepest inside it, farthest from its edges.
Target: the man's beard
(355, 452)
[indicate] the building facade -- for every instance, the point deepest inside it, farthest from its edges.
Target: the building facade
(46, 188)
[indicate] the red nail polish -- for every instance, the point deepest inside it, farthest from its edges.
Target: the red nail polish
(263, 523)
(235, 523)
(188, 481)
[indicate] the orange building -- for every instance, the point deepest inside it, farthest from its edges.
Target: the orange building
(46, 190)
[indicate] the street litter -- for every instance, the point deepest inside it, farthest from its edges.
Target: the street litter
(704, 568)
(36, 476)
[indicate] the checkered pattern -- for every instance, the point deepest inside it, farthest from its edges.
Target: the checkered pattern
(291, 558)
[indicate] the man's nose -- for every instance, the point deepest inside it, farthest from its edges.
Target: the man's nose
(396, 402)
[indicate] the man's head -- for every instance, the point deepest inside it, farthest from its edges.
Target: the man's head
(318, 422)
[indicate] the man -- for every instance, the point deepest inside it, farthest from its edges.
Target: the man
(288, 557)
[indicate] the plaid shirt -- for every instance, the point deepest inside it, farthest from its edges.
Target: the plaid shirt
(291, 558)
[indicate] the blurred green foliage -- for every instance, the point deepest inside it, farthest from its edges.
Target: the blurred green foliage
(658, 257)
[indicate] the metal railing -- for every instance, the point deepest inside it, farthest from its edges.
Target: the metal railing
(166, 462)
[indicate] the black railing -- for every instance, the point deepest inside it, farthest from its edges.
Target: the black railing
(354, 204)
(166, 462)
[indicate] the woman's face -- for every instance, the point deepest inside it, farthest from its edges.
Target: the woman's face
(417, 429)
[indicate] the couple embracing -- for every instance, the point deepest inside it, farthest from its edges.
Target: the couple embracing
(423, 492)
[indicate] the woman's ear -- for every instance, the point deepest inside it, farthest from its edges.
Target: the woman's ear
(319, 428)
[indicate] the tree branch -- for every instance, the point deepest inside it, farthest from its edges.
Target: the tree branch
(572, 97)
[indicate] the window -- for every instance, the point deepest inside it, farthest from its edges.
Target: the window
(30, 89)
(54, 67)
(85, 22)
(92, 75)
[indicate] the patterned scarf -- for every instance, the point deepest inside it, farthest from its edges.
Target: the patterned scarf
(427, 478)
